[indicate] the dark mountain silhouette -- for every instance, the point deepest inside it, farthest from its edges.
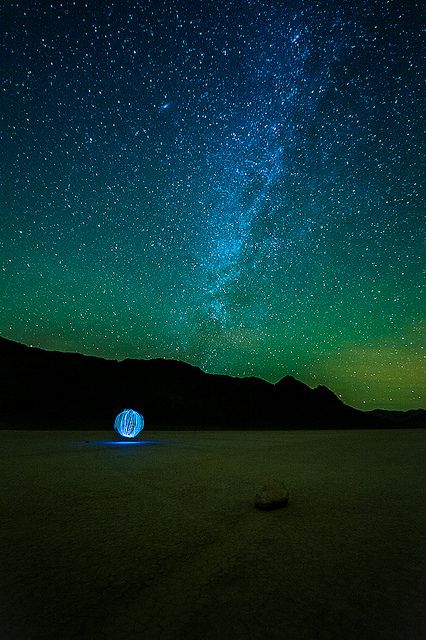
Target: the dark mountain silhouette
(411, 418)
(48, 389)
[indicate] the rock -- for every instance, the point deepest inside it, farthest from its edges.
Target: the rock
(271, 495)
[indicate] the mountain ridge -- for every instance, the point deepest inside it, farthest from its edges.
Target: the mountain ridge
(66, 390)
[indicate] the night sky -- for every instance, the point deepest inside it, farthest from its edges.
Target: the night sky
(235, 184)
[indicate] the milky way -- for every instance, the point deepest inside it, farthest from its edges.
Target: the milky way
(234, 184)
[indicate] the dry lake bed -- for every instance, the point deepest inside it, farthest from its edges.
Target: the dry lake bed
(161, 540)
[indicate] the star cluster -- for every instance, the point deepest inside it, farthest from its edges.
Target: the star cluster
(234, 184)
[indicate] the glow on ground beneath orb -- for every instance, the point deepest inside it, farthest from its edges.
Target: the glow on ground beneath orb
(128, 442)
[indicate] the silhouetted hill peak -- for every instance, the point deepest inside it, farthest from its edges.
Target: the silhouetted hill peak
(49, 389)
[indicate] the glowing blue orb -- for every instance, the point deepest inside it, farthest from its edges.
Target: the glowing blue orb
(129, 423)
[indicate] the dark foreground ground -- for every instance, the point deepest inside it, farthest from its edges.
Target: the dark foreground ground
(160, 540)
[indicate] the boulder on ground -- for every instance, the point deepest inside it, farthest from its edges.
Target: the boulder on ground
(271, 495)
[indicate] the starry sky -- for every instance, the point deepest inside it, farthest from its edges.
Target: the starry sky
(234, 184)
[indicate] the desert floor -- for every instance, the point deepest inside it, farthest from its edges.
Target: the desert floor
(160, 539)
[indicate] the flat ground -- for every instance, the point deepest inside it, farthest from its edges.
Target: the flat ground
(161, 540)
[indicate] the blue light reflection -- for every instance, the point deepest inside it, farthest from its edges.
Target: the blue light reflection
(122, 443)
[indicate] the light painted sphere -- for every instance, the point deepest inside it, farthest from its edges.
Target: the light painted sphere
(129, 423)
